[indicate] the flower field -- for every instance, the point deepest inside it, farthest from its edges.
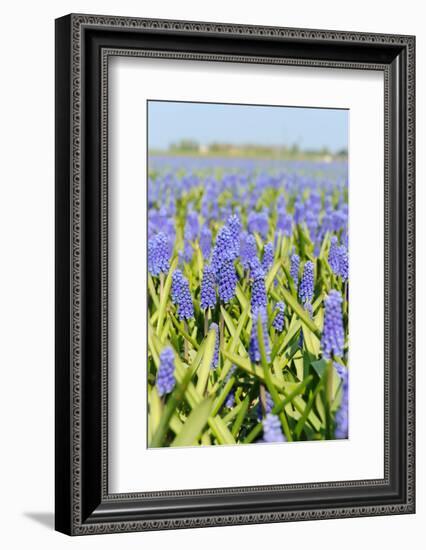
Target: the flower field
(247, 301)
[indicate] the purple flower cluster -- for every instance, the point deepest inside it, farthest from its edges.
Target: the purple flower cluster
(342, 414)
(272, 432)
(258, 291)
(254, 349)
(338, 258)
(227, 281)
(208, 288)
(181, 295)
(234, 225)
(306, 288)
(248, 251)
(333, 255)
(294, 268)
(284, 219)
(158, 254)
(215, 360)
(343, 262)
(269, 402)
(268, 257)
(206, 241)
(258, 222)
(299, 211)
(278, 322)
(166, 372)
(192, 226)
(333, 336)
(223, 250)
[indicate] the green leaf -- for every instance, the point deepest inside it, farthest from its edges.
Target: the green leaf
(298, 363)
(175, 424)
(228, 320)
(302, 421)
(153, 292)
(172, 403)
(272, 274)
(223, 395)
(319, 367)
(155, 409)
(245, 364)
(165, 296)
(300, 312)
(311, 341)
(221, 431)
(194, 425)
(206, 362)
(180, 329)
(320, 408)
(240, 417)
(284, 339)
(241, 297)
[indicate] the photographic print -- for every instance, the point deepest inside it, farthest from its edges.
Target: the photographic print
(248, 274)
(235, 277)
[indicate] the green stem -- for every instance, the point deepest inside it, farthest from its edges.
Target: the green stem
(185, 342)
(161, 287)
(206, 321)
(221, 329)
(262, 397)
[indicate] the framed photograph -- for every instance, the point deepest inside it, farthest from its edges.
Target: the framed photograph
(234, 274)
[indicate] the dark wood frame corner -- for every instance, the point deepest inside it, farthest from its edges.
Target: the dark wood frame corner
(84, 43)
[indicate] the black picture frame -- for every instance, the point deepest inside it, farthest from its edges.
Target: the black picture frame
(83, 46)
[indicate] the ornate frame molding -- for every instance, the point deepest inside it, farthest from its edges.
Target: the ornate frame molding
(72, 48)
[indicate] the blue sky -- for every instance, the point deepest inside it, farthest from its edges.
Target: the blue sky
(310, 128)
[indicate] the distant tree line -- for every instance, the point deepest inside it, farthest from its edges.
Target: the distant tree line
(190, 146)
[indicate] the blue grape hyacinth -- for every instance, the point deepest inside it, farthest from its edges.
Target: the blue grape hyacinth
(230, 400)
(272, 432)
(151, 247)
(333, 336)
(269, 402)
(206, 241)
(258, 291)
(166, 372)
(227, 281)
(158, 254)
(333, 255)
(254, 349)
(234, 225)
(192, 226)
(258, 222)
(294, 268)
(223, 250)
(268, 257)
(343, 262)
(342, 414)
(208, 289)
(278, 322)
(215, 360)
(181, 295)
(248, 250)
(177, 278)
(338, 259)
(306, 288)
